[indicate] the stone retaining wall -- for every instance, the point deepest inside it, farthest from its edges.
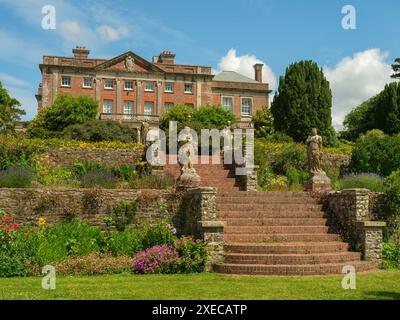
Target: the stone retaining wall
(107, 157)
(351, 216)
(87, 204)
(197, 217)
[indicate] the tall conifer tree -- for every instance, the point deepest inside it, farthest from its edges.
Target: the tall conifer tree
(303, 101)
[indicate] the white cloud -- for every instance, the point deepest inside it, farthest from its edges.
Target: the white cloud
(356, 79)
(112, 34)
(11, 80)
(74, 32)
(244, 65)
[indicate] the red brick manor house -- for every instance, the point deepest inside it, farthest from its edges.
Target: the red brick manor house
(131, 88)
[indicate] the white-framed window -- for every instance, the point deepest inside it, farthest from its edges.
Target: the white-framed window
(168, 105)
(128, 85)
(65, 81)
(109, 84)
(108, 106)
(227, 102)
(169, 87)
(128, 107)
(148, 108)
(188, 87)
(87, 82)
(247, 104)
(149, 86)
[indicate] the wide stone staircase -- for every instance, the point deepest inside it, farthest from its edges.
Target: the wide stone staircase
(274, 233)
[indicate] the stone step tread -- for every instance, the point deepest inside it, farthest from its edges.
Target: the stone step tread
(311, 269)
(294, 255)
(268, 230)
(233, 222)
(286, 244)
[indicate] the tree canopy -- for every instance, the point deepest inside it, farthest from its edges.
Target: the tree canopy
(263, 122)
(303, 101)
(396, 69)
(10, 111)
(380, 112)
(65, 111)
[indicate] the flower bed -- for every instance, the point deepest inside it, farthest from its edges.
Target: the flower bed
(78, 248)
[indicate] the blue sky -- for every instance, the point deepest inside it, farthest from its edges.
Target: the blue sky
(225, 34)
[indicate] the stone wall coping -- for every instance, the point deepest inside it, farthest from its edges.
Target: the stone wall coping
(355, 190)
(204, 190)
(211, 224)
(373, 224)
(82, 189)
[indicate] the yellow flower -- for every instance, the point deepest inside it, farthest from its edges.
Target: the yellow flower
(41, 221)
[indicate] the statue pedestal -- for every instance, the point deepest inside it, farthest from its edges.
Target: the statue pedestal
(188, 179)
(319, 183)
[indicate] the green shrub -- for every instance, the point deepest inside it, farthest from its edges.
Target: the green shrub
(124, 172)
(212, 117)
(391, 255)
(55, 176)
(293, 155)
(392, 190)
(57, 242)
(12, 265)
(192, 254)
(124, 243)
(123, 214)
(372, 182)
(100, 130)
(297, 177)
(152, 182)
(15, 177)
(265, 178)
(377, 153)
(94, 264)
(159, 233)
(98, 178)
(279, 138)
(65, 111)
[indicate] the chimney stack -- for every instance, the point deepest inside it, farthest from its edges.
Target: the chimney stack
(167, 57)
(81, 52)
(258, 71)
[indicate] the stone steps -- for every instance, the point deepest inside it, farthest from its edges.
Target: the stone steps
(287, 247)
(291, 270)
(291, 259)
(275, 221)
(270, 214)
(289, 207)
(271, 230)
(280, 237)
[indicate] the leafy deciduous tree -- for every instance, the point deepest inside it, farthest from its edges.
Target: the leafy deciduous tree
(10, 112)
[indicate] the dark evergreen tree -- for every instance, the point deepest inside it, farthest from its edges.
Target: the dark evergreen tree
(303, 101)
(396, 68)
(387, 109)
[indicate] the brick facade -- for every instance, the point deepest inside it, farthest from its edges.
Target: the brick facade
(149, 83)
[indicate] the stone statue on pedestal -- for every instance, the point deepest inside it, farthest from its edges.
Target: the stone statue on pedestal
(189, 177)
(318, 181)
(144, 129)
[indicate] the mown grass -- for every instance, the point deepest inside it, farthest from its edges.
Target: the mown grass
(379, 285)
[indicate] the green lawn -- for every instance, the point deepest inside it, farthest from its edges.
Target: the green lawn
(380, 285)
